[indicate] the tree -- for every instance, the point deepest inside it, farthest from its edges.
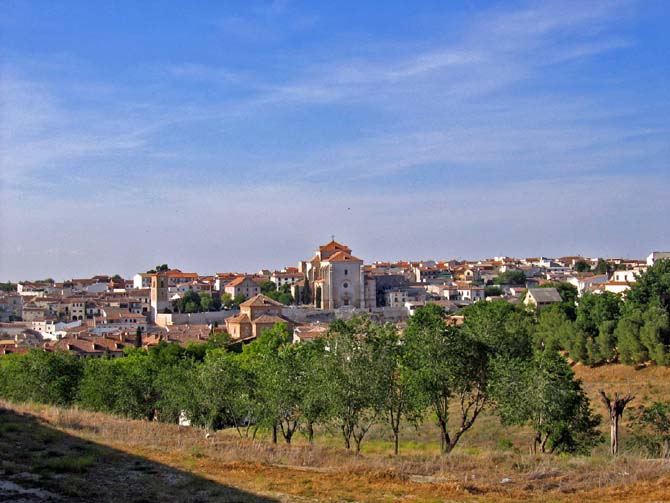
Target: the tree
(615, 408)
(500, 326)
(210, 302)
(317, 299)
(511, 278)
(42, 377)
(554, 330)
(138, 337)
(315, 403)
(400, 393)
(651, 288)
(492, 291)
(306, 293)
(655, 335)
(238, 299)
(227, 300)
(593, 311)
(279, 374)
(544, 394)
(354, 372)
(268, 286)
(602, 267)
(7, 287)
(281, 294)
(582, 266)
(627, 334)
(224, 392)
(651, 429)
(447, 365)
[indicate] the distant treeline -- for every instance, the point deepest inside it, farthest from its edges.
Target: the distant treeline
(363, 373)
(604, 327)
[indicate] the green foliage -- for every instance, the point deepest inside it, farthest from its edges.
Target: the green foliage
(582, 266)
(210, 302)
(602, 267)
(627, 334)
(8, 287)
(652, 288)
(267, 286)
(227, 300)
(447, 365)
(282, 295)
(41, 376)
(306, 293)
(655, 335)
(223, 392)
(492, 291)
(503, 328)
(554, 329)
(356, 373)
(511, 278)
(544, 394)
(594, 312)
(651, 429)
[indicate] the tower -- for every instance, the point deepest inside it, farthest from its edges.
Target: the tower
(159, 294)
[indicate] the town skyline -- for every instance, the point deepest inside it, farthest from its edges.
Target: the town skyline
(292, 264)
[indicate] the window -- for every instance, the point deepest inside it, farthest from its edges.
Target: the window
(346, 271)
(345, 285)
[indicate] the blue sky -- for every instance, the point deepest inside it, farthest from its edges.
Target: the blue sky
(220, 136)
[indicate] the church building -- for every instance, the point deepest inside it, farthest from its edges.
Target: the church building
(335, 278)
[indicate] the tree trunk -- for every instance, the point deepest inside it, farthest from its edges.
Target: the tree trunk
(443, 436)
(274, 433)
(347, 436)
(614, 435)
(310, 432)
(615, 410)
(544, 444)
(396, 441)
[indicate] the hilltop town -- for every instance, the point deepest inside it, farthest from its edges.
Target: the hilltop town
(103, 315)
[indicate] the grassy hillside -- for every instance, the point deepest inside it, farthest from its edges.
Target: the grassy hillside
(83, 456)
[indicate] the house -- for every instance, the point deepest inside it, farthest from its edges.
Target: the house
(309, 332)
(11, 306)
(242, 285)
(286, 278)
(114, 319)
(586, 281)
(73, 308)
(396, 297)
(654, 256)
(621, 281)
(52, 329)
(257, 314)
(92, 346)
(540, 297)
(180, 334)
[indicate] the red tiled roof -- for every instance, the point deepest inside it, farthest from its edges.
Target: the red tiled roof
(342, 256)
(334, 246)
(260, 300)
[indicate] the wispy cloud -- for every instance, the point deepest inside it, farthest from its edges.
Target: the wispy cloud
(493, 105)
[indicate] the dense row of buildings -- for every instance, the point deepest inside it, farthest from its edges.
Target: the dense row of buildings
(102, 315)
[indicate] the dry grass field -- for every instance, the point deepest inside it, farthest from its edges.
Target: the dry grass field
(71, 455)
